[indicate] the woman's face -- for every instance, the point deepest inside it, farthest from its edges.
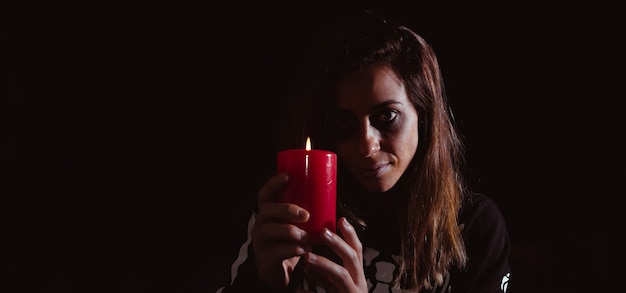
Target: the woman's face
(375, 127)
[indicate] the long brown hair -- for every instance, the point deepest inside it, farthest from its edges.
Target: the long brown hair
(431, 241)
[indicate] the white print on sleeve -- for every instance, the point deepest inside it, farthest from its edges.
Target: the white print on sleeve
(504, 285)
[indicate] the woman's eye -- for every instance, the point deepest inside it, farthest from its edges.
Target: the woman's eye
(342, 121)
(386, 116)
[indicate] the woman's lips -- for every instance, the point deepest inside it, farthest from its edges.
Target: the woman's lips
(372, 172)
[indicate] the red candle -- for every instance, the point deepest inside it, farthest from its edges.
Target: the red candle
(312, 185)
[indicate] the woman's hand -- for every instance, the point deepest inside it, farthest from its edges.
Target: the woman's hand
(278, 244)
(346, 278)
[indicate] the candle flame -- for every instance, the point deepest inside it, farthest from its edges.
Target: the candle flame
(308, 143)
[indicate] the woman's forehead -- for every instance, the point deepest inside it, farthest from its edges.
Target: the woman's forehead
(374, 85)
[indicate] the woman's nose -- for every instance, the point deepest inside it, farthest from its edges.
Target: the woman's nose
(368, 141)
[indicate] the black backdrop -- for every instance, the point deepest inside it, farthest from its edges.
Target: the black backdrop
(133, 134)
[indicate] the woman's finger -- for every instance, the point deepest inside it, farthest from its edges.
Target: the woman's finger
(349, 276)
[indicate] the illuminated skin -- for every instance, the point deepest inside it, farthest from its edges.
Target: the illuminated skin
(376, 125)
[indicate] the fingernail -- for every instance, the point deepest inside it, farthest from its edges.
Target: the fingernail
(327, 233)
(303, 235)
(302, 213)
(346, 224)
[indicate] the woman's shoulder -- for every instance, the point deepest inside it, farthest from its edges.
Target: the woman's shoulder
(477, 203)
(481, 212)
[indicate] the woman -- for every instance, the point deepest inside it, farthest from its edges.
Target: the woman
(407, 221)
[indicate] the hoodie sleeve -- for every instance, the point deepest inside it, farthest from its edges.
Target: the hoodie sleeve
(243, 276)
(488, 245)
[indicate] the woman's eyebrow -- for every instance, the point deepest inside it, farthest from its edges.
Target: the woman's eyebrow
(385, 104)
(375, 107)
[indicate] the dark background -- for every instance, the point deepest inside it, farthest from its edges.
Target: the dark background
(134, 135)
